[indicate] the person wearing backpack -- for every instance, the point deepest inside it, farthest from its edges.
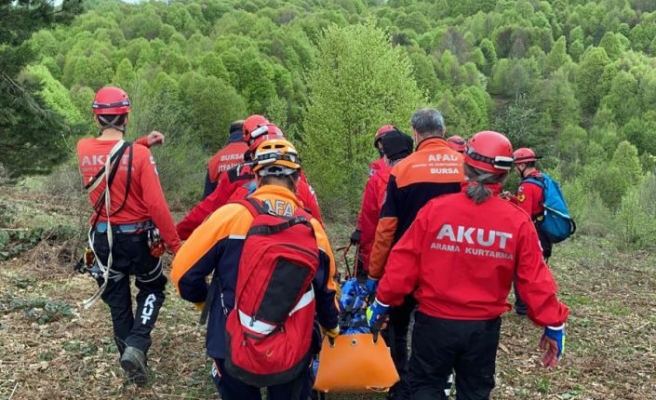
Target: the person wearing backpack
(130, 213)
(531, 198)
(238, 180)
(460, 266)
(272, 269)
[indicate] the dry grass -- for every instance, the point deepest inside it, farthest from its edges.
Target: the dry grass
(52, 349)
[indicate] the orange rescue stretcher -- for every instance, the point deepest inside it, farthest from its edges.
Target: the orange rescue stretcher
(355, 363)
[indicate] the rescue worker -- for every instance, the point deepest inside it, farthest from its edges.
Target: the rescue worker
(216, 247)
(457, 143)
(126, 224)
(226, 158)
(380, 163)
(374, 167)
(434, 169)
(530, 198)
(460, 266)
(396, 146)
(238, 181)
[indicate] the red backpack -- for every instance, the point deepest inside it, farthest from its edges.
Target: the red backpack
(269, 331)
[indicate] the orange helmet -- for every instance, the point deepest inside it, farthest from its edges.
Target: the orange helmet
(381, 132)
(251, 124)
(457, 143)
(276, 157)
(111, 101)
(524, 155)
(489, 151)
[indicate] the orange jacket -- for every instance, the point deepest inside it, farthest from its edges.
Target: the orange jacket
(460, 259)
(215, 248)
(433, 170)
(144, 202)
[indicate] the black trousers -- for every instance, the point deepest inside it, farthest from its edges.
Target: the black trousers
(396, 337)
(440, 346)
(231, 388)
(131, 256)
(547, 246)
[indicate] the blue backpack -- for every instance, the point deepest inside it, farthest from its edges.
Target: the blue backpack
(556, 222)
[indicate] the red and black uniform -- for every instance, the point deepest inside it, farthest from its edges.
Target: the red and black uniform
(460, 265)
(372, 202)
(143, 209)
(373, 168)
(238, 179)
(215, 248)
(530, 197)
(226, 158)
(434, 169)
(365, 221)
(377, 166)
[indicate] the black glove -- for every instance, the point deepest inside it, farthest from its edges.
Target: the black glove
(355, 237)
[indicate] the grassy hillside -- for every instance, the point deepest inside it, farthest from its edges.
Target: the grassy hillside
(53, 349)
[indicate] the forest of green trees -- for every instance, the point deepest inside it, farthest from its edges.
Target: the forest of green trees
(573, 79)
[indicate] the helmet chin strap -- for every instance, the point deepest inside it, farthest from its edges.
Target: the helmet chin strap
(111, 124)
(521, 171)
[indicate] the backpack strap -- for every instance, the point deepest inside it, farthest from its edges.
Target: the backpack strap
(115, 157)
(536, 180)
(257, 207)
(116, 153)
(254, 206)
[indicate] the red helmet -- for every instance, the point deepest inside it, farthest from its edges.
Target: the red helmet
(252, 124)
(489, 151)
(457, 143)
(263, 133)
(381, 132)
(524, 155)
(111, 101)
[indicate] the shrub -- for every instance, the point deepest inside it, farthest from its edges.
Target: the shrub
(634, 219)
(592, 216)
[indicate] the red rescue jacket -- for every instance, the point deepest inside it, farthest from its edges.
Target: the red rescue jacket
(144, 202)
(461, 258)
(231, 182)
(530, 196)
(372, 203)
(431, 171)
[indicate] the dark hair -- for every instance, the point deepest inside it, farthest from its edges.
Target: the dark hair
(111, 119)
(428, 122)
(288, 181)
(236, 126)
(529, 164)
(396, 145)
(476, 189)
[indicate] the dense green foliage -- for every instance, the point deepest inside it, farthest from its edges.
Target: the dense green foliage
(30, 133)
(359, 81)
(574, 79)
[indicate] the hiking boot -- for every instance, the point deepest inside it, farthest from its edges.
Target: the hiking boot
(133, 363)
